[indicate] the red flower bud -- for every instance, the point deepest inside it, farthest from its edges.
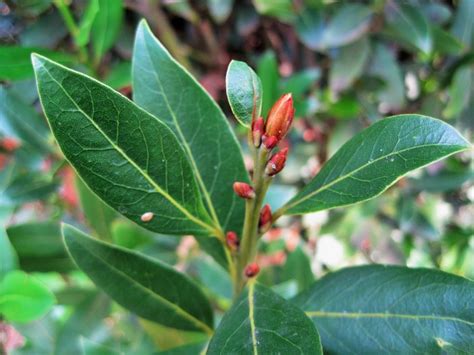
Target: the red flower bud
(232, 241)
(244, 190)
(265, 219)
(258, 129)
(280, 117)
(252, 270)
(269, 142)
(276, 162)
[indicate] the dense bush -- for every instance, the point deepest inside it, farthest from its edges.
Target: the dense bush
(197, 226)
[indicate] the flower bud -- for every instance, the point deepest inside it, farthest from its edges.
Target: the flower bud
(265, 219)
(280, 117)
(244, 190)
(252, 270)
(232, 241)
(258, 129)
(276, 162)
(269, 142)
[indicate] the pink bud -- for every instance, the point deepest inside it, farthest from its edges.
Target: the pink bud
(265, 219)
(269, 142)
(252, 270)
(280, 117)
(232, 241)
(258, 129)
(276, 162)
(244, 190)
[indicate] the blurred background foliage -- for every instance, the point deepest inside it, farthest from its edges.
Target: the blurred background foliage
(347, 64)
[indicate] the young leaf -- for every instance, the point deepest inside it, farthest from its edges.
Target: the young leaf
(376, 158)
(15, 63)
(126, 156)
(87, 20)
(143, 285)
(106, 26)
(168, 91)
(391, 309)
(263, 322)
(244, 92)
(22, 298)
(267, 70)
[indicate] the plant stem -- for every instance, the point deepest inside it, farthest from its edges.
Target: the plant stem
(248, 248)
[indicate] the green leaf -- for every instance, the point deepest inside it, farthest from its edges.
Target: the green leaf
(87, 20)
(267, 71)
(410, 25)
(15, 62)
(384, 65)
(126, 156)
(463, 26)
(19, 120)
(244, 92)
(444, 42)
(106, 26)
(145, 286)
(39, 247)
(459, 92)
(391, 309)
(281, 9)
(348, 24)
(261, 322)
(168, 91)
(85, 321)
(348, 65)
(97, 214)
(28, 187)
(23, 298)
(119, 76)
(376, 158)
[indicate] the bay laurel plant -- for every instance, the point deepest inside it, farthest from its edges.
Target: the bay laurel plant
(170, 162)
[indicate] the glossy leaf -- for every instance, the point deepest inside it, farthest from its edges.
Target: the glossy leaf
(168, 91)
(391, 309)
(143, 285)
(23, 298)
(220, 10)
(106, 26)
(410, 25)
(126, 156)
(376, 158)
(15, 62)
(261, 322)
(244, 92)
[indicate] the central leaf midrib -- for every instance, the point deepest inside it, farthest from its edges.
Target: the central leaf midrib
(143, 173)
(181, 312)
(251, 302)
(326, 186)
(185, 143)
(383, 315)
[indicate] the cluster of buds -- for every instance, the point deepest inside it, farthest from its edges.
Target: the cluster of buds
(277, 125)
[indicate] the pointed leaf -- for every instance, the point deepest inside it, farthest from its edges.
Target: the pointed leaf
(106, 26)
(87, 20)
(165, 89)
(261, 322)
(376, 158)
(390, 309)
(244, 92)
(126, 156)
(143, 285)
